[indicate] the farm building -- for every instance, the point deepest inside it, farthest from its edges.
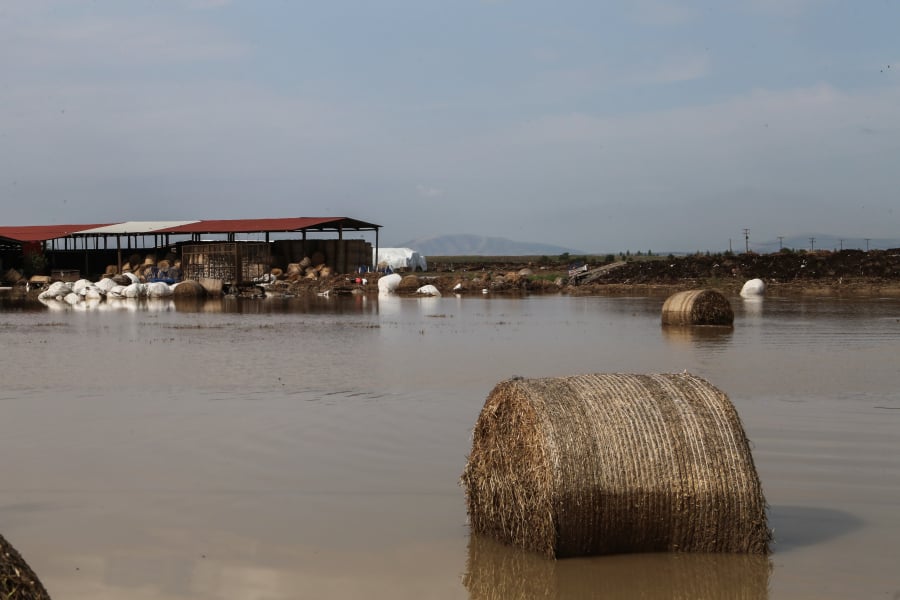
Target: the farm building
(231, 250)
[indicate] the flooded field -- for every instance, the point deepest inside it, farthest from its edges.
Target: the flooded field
(312, 448)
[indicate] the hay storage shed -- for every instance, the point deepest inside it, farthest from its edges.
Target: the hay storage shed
(697, 307)
(231, 262)
(614, 463)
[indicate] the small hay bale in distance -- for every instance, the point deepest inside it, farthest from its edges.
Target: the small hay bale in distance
(697, 307)
(614, 463)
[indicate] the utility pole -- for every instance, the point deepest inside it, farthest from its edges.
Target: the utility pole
(867, 244)
(812, 244)
(729, 246)
(842, 245)
(747, 241)
(780, 240)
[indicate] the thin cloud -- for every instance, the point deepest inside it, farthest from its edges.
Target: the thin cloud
(424, 191)
(674, 70)
(112, 41)
(662, 13)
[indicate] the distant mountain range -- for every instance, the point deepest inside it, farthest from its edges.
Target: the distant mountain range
(477, 245)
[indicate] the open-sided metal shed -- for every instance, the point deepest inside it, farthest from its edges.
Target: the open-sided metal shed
(65, 242)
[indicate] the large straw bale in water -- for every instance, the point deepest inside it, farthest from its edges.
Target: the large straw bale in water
(17, 580)
(614, 463)
(697, 307)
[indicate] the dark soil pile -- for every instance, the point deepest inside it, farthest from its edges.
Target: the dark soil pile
(873, 271)
(777, 268)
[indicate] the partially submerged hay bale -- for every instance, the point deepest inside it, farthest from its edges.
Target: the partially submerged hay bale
(188, 289)
(697, 307)
(614, 463)
(17, 580)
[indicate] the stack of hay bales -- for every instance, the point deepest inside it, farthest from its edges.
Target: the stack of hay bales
(294, 272)
(17, 580)
(697, 307)
(614, 463)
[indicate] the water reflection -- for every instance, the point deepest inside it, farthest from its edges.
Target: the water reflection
(753, 307)
(698, 335)
(498, 572)
(798, 526)
(228, 304)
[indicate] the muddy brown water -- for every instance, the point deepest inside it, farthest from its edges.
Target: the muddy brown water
(311, 449)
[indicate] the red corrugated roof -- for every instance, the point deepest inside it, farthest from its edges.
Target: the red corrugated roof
(42, 233)
(262, 225)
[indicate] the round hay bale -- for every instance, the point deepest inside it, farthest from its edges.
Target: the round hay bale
(13, 276)
(17, 580)
(305, 262)
(697, 307)
(188, 289)
(409, 283)
(614, 463)
(294, 269)
(325, 272)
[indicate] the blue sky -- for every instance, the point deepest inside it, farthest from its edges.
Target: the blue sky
(596, 126)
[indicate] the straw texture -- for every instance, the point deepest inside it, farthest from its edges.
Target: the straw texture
(697, 307)
(17, 580)
(614, 463)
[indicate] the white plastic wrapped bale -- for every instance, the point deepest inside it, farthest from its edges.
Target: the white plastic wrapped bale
(754, 287)
(92, 292)
(158, 289)
(135, 290)
(106, 284)
(428, 290)
(116, 291)
(79, 286)
(400, 259)
(57, 289)
(389, 283)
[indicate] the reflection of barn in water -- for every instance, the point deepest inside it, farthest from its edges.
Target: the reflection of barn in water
(227, 251)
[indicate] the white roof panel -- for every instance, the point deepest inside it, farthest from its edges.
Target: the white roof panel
(135, 227)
